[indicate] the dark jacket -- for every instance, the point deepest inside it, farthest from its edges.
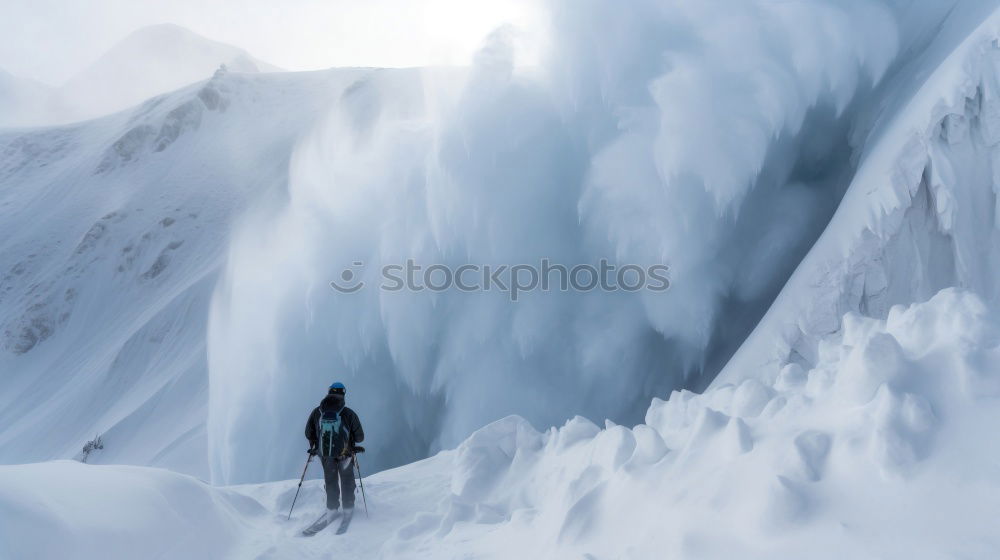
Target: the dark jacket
(348, 416)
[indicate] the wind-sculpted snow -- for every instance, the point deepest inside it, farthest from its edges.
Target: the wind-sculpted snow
(711, 140)
(877, 451)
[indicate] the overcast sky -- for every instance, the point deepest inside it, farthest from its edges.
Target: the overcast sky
(50, 40)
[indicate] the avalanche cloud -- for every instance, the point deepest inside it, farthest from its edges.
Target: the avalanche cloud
(717, 138)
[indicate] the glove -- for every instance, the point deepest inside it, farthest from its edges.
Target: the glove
(358, 449)
(313, 451)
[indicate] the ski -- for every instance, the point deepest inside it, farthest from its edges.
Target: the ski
(345, 522)
(320, 523)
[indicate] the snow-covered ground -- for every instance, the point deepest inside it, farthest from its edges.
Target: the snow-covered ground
(883, 450)
(65, 509)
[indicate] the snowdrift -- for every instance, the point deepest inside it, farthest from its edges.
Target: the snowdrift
(66, 509)
(880, 451)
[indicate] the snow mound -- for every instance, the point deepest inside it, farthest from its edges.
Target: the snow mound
(881, 450)
(67, 509)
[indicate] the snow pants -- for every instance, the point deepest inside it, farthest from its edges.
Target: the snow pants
(338, 473)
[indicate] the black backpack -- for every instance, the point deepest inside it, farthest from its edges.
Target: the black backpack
(333, 437)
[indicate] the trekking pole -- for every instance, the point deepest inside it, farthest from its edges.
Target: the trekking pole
(362, 481)
(300, 485)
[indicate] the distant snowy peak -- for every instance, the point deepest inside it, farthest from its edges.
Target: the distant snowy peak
(20, 99)
(10, 83)
(150, 61)
(172, 44)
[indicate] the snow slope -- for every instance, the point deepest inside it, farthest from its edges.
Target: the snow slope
(880, 451)
(113, 235)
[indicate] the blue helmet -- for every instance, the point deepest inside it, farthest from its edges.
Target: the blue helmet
(338, 388)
